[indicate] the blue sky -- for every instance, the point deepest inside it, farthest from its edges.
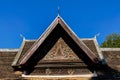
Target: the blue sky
(31, 17)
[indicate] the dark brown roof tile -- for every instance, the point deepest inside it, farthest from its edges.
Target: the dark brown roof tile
(112, 58)
(6, 58)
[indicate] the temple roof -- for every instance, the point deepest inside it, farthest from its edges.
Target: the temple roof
(91, 43)
(112, 57)
(63, 26)
(67, 51)
(6, 58)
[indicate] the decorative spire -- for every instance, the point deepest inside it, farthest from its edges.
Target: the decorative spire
(22, 36)
(58, 11)
(98, 34)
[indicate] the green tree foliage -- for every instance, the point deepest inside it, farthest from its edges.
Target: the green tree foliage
(112, 41)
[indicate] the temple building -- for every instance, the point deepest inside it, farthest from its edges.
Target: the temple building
(60, 54)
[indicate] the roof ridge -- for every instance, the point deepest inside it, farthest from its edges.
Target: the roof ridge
(31, 40)
(14, 63)
(8, 50)
(99, 51)
(110, 49)
(86, 38)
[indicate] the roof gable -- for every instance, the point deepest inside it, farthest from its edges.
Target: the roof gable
(89, 42)
(26, 44)
(57, 26)
(60, 52)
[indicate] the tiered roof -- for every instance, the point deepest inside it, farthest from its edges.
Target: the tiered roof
(59, 40)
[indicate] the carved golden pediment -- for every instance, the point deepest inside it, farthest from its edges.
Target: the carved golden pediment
(61, 51)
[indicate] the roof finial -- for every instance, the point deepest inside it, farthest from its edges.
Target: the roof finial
(98, 34)
(22, 36)
(58, 11)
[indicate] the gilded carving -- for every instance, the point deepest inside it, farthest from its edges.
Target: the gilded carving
(48, 71)
(61, 51)
(70, 71)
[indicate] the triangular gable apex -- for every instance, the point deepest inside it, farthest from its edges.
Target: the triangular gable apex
(58, 20)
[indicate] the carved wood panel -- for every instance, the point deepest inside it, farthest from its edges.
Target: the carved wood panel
(60, 71)
(61, 52)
